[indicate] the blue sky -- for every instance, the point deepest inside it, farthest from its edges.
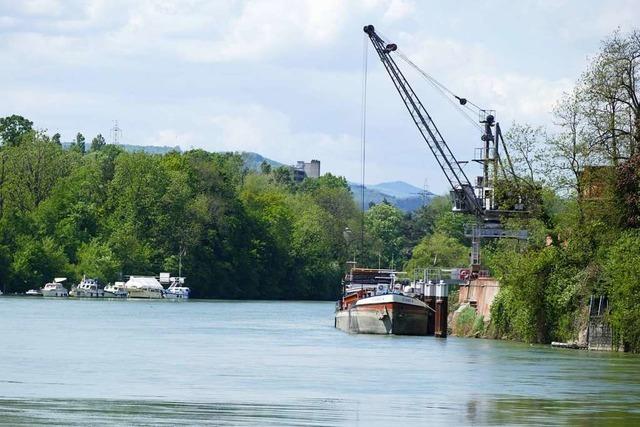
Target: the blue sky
(283, 78)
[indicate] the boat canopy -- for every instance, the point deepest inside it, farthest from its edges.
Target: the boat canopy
(146, 282)
(59, 279)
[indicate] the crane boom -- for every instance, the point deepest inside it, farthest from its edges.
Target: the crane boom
(464, 195)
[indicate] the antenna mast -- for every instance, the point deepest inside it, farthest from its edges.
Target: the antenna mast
(116, 133)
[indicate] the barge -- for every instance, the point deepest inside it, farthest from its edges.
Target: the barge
(374, 303)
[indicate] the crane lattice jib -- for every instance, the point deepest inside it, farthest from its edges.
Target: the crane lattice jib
(441, 151)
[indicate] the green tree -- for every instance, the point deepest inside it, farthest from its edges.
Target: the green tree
(56, 138)
(283, 176)
(97, 143)
(79, 144)
(622, 270)
(265, 167)
(611, 97)
(13, 128)
(37, 261)
(36, 166)
(97, 260)
(438, 250)
(383, 223)
(317, 273)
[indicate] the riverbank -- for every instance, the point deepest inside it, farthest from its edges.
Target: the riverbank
(470, 317)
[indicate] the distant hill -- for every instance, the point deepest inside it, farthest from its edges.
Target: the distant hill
(131, 148)
(405, 196)
(396, 193)
(150, 149)
(252, 161)
(397, 189)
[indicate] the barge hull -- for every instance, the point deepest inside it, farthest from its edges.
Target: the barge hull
(390, 318)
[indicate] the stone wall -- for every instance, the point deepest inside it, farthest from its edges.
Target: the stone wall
(480, 293)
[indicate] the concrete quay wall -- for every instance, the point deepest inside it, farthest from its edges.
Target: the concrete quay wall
(480, 293)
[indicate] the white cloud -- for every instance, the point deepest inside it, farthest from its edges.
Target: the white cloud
(272, 134)
(265, 28)
(472, 71)
(397, 10)
(41, 7)
(41, 100)
(195, 30)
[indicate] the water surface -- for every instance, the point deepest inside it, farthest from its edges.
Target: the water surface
(80, 362)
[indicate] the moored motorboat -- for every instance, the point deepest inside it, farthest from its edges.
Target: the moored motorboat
(33, 293)
(146, 287)
(176, 290)
(87, 288)
(373, 303)
(117, 290)
(55, 288)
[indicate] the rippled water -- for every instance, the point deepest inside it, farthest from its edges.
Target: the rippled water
(77, 362)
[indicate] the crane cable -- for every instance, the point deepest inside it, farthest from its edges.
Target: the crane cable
(363, 130)
(443, 90)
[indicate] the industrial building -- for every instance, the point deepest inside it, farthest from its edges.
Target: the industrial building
(304, 170)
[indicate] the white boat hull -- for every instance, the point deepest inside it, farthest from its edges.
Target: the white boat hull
(80, 293)
(54, 293)
(177, 292)
(176, 296)
(108, 294)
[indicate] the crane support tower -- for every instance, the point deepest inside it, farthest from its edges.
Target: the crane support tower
(479, 199)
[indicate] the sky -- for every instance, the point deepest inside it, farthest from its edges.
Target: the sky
(284, 78)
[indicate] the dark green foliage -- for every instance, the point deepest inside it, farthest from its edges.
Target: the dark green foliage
(622, 273)
(541, 292)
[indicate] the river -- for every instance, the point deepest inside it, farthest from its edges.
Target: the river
(91, 362)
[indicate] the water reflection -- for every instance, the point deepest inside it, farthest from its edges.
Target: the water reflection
(82, 412)
(485, 410)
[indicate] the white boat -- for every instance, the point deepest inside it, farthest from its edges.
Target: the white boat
(117, 290)
(143, 287)
(176, 290)
(55, 288)
(34, 293)
(87, 288)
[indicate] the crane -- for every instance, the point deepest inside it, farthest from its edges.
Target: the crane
(478, 200)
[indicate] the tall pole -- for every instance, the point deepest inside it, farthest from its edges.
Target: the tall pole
(363, 132)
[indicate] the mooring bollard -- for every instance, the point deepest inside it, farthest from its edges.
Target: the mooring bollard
(442, 309)
(430, 300)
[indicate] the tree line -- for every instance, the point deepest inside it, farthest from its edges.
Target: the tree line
(238, 233)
